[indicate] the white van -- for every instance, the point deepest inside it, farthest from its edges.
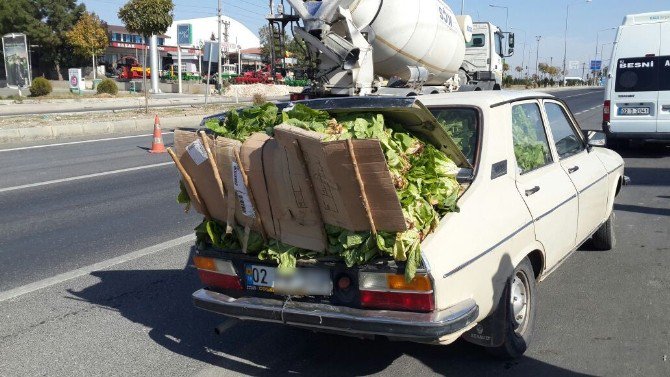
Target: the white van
(637, 94)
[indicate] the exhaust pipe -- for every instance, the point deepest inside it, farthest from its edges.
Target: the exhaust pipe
(223, 327)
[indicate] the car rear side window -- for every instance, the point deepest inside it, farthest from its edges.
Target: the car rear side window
(531, 147)
(565, 138)
(643, 74)
(461, 125)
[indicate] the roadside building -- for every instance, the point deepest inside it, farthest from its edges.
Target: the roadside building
(123, 43)
(236, 37)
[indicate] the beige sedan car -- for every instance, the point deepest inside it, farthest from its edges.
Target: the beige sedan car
(535, 189)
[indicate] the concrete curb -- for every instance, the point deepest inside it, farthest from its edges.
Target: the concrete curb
(9, 135)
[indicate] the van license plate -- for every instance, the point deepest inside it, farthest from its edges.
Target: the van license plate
(633, 111)
(304, 281)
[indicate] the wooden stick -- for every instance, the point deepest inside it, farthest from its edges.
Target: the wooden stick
(215, 170)
(361, 186)
(189, 183)
(251, 194)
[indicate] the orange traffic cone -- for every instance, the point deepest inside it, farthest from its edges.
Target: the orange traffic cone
(157, 145)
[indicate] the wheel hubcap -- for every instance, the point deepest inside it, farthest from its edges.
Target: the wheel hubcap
(520, 300)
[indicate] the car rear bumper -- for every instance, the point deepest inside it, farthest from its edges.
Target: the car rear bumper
(424, 327)
(660, 136)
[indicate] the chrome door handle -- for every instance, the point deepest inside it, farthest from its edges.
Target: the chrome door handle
(573, 169)
(532, 191)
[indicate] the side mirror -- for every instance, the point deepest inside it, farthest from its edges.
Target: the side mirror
(510, 41)
(595, 138)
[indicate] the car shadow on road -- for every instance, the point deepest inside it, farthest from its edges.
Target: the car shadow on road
(161, 300)
(648, 150)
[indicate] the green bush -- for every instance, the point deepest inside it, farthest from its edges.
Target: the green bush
(108, 86)
(40, 87)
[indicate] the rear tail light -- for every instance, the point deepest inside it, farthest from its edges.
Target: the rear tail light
(391, 291)
(217, 273)
(298, 96)
(606, 111)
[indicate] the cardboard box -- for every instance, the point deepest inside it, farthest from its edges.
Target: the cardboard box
(293, 199)
(337, 191)
(251, 155)
(188, 148)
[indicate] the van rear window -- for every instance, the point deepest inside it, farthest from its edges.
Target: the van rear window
(643, 74)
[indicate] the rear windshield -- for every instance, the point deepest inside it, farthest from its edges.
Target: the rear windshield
(461, 124)
(643, 74)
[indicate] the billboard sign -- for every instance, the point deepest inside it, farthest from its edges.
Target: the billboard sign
(184, 35)
(596, 65)
(17, 64)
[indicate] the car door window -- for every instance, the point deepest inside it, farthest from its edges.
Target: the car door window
(531, 147)
(567, 141)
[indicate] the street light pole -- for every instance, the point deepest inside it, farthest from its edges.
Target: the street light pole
(523, 54)
(506, 15)
(565, 37)
(537, 54)
(220, 44)
(462, 6)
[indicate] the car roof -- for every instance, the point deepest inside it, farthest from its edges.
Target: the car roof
(488, 98)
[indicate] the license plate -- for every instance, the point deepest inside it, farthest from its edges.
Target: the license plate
(633, 111)
(304, 282)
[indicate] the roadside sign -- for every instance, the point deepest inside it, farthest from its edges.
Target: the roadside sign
(184, 35)
(213, 54)
(17, 61)
(596, 65)
(76, 81)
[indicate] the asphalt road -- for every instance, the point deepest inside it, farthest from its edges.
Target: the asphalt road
(601, 313)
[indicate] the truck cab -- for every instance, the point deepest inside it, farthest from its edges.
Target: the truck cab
(483, 62)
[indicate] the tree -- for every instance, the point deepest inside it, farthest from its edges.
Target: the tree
(146, 18)
(89, 37)
(519, 69)
(45, 22)
(505, 67)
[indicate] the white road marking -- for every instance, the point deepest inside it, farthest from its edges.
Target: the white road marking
(101, 174)
(16, 292)
(587, 110)
(581, 94)
(78, 142)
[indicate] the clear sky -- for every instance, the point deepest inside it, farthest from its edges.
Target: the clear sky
(535, 17)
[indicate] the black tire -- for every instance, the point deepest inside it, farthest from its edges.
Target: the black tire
(517, 335)
(604, 239)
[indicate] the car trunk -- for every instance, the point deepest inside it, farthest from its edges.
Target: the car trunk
(378, 284)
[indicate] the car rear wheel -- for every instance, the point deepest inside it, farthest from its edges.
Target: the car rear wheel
(520, 298)
(603, 238)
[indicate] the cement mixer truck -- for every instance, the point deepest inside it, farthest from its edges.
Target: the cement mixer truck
(396, 47)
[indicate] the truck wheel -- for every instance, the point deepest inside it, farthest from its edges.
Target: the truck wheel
(520, 299)
(603, 239)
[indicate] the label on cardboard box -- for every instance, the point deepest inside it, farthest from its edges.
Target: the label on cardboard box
(241, 191)
(197, 152)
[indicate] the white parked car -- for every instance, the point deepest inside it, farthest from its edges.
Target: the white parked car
(538, 190)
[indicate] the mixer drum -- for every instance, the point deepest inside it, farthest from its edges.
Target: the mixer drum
(412, 33)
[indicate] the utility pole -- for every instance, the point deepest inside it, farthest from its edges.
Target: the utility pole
(218, 12)
(537, 54)
(583, 69)
(226, 25)
(462, 6)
